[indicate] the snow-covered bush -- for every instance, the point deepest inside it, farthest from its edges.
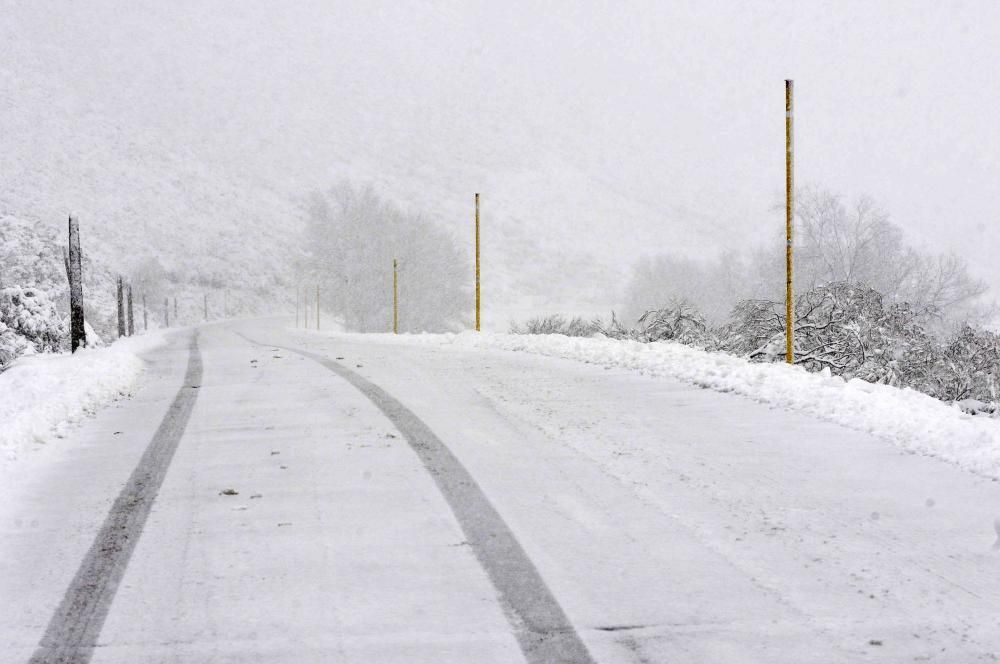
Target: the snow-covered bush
(555, 324)
(755, 329)
(613, 329)
(12, 345)
(29, 313)
(967, 369)
(842, 327)
(680, 322)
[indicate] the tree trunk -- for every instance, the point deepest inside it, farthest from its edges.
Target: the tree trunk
(131, 318)
(121, 308)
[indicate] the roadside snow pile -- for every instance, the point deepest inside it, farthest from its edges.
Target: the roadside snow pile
(42, 395)
(911, 420)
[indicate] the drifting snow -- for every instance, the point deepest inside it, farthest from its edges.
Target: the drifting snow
(911, 420)
(42, 395)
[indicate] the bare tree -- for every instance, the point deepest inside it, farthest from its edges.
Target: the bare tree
(857, 243)
(659, 282)
(836, 242)
(353, 235)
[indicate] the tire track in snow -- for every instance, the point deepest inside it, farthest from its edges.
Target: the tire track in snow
(540, 625)
(74, 628)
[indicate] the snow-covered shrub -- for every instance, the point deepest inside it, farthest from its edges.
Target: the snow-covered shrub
(898, 349)
(613, 329)
(555, 324)
(680, 322)
(756, 330)
(29, 313)
(842, 327)
(967, 369)
(12, 345)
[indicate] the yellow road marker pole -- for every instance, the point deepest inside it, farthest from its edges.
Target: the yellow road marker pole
(395, 296)
(789, 218)
(478, 301)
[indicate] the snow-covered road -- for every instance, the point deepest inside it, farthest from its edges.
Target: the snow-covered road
(640, 520)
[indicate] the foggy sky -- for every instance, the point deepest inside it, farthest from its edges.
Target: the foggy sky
(620, 128)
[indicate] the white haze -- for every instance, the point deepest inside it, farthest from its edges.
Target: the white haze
(596, 132)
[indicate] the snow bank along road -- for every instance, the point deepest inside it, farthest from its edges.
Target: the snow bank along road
(337, 499)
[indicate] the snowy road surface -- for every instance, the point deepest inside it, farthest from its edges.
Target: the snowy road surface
(536, 508)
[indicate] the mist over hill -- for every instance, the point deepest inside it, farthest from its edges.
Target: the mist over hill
(190, 134)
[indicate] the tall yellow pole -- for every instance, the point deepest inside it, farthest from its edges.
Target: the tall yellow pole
(789, 217)
(317, 307)
(478, 301)
(395, 297)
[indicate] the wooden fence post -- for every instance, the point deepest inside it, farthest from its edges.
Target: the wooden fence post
(478, 300)
(121, 308)
(131, 319)
(74, 270)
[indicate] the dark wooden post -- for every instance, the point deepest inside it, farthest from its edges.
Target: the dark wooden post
(145, 314)
(74, 270)
(478, 300)
(131, 318)
(121, 308)
(166, 312)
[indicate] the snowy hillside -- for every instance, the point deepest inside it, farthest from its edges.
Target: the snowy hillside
(583, 130)
(140, 196)
(152, 122)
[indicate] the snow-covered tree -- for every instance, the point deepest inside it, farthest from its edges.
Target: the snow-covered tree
(857, 243)
(843, 327)
(834, 242)
(354, 234)
(657, 282)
